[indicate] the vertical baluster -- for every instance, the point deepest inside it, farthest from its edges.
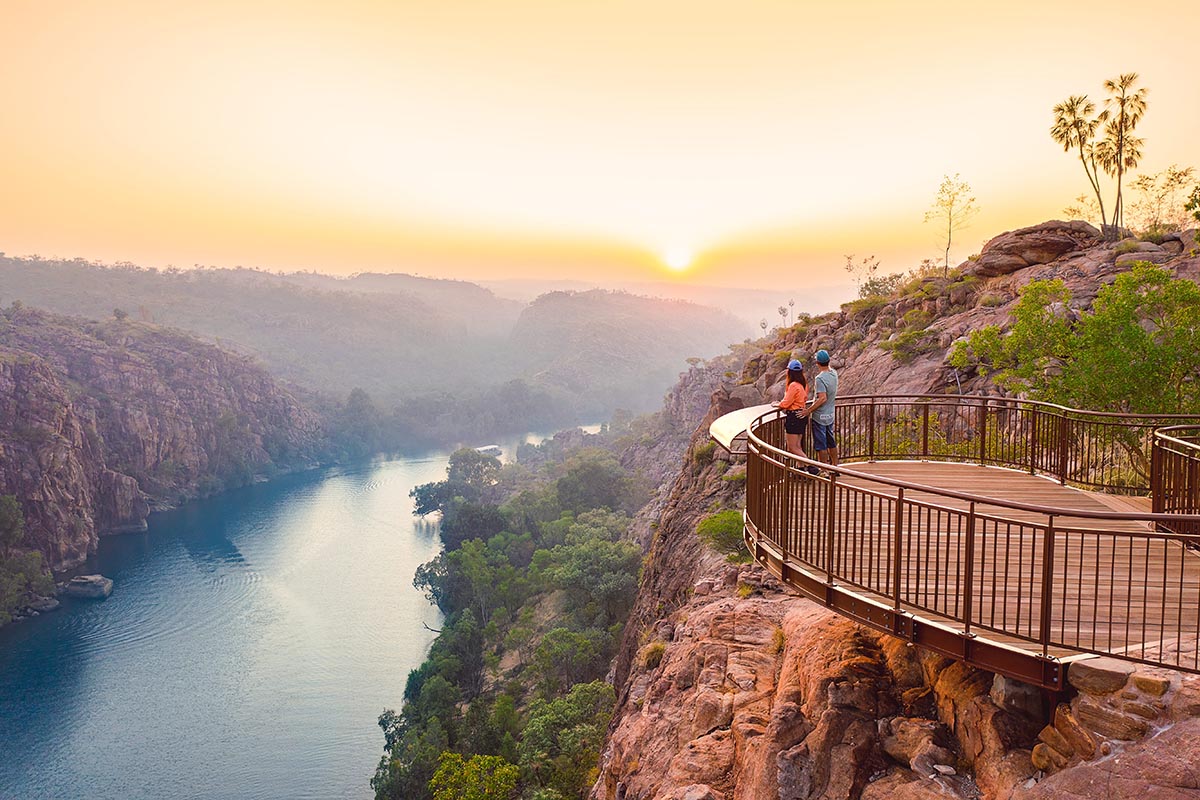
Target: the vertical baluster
(1047, 586)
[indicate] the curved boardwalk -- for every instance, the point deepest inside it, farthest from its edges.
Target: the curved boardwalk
(1005, 569)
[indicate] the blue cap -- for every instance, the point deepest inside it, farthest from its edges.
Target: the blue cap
(822, 356)
(794, 364)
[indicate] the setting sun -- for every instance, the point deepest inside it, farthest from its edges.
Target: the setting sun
(677, 259)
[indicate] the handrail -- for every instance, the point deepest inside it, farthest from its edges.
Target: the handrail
(952, 493)
(940, 570)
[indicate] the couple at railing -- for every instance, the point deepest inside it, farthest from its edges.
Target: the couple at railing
(798, 410)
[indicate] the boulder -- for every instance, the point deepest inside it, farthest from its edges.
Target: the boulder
(1026, 247)
(91, 587)
(1158, 256)
(41, 605)
(1098, 676)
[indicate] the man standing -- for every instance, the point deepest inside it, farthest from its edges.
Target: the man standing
(825, 387)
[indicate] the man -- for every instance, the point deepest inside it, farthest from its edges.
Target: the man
(825, 387)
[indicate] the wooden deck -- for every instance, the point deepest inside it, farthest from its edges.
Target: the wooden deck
(1115, 586)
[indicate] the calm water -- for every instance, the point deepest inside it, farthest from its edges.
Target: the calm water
(246, 652)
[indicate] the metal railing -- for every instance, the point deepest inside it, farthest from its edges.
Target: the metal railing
(974, 576)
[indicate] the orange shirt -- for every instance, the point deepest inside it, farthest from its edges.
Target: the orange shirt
(795, 397)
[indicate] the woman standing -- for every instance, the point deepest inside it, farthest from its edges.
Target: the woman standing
(794, 399)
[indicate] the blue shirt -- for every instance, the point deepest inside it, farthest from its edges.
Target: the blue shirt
(826, 382)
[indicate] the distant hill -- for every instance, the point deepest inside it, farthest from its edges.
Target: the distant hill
(430, 351)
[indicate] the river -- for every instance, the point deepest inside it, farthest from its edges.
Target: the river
(247, 650)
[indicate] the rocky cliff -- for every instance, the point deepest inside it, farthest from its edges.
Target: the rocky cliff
(101, 422)
(729, 686)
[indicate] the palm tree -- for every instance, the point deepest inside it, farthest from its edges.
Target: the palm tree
(1120, 151)
(1075, 128)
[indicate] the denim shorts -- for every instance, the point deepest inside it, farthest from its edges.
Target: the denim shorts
(822, 436)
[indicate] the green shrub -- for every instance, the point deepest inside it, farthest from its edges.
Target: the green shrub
(1154, 235)
(703, 453)
(992, 299)
(744, 590)
(911, 343)
(1127, 246)
(652, 656)
(916, 318)
(723, 532)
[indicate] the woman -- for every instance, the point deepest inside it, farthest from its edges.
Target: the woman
(794, 399)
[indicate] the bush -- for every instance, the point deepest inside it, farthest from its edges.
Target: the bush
(991, 300)
(1127, 246)
(910, 344)
(704, 452)
(723, 532)
(652, 656)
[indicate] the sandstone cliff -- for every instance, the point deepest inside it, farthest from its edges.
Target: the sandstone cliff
(101, 422)
(729, 686)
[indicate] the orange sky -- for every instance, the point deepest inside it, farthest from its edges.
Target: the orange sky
(562, 139)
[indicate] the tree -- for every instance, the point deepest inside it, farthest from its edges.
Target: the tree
(477, 778)
(863, 272)
(563, 737)
(1120, 151)
(1158, 207)
(12, 524)
(1144, 320)
(1193, 203)
(1075, 128)
(954, 207)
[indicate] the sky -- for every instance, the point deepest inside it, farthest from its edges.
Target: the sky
(747, 144)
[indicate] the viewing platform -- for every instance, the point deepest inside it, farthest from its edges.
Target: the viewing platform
(1013, 535)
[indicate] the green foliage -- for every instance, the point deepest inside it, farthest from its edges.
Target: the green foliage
(910, 343)
(723, 532)
(1127, 246)
(599, 577)
(1137, 350)
(476, 778)
(652, 656)
(703, 453)
(881, 285)
(12, 523)
(563, 738)
(595, 479)
(1193, 203)
(548, 578)
(22, 575)
(992, 300)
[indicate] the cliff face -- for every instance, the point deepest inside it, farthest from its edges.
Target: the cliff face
(101, 422)
(730, 686)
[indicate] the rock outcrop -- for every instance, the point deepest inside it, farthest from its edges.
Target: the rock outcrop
(730, 687)
(101, 422)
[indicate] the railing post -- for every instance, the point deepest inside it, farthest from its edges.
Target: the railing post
(1156, 476)
(831, 488)
(871, 430)
(982, 432)
(969, 572)
(1047, 586)
(1063, 428)
(925, 429)
(897, 544)
(1033, 440)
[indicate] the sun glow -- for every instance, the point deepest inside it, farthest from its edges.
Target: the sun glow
(677, 259)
